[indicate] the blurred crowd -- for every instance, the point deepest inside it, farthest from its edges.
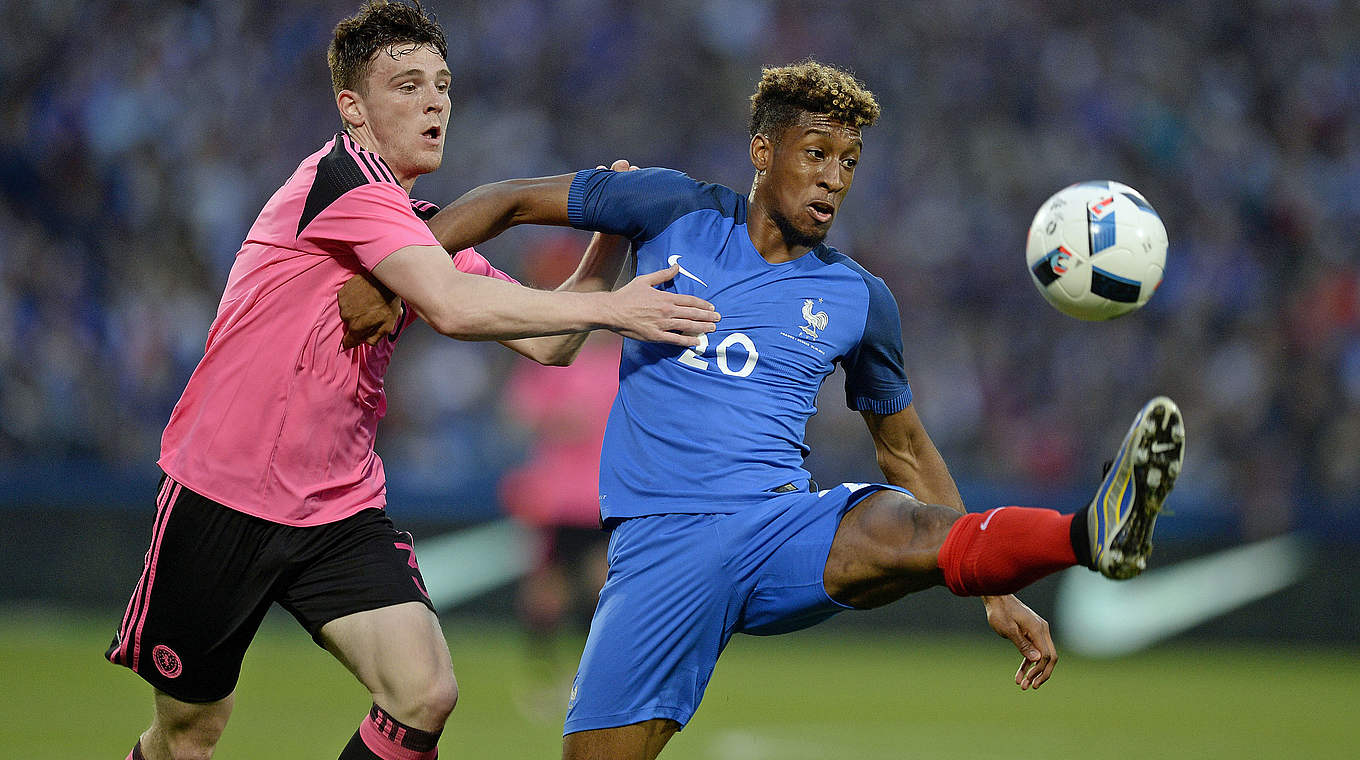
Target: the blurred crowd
(141, 137)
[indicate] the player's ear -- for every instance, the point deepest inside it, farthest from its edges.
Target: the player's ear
(351, 108)
(760, 152)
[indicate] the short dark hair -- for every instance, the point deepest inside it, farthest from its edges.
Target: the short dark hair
(378, 25)
(785, 93)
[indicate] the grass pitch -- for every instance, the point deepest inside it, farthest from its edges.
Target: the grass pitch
(833, 692)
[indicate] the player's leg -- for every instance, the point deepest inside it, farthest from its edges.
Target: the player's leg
(358, 591)
(673, 599)
(183, 730)
(886, 547)
(638, 741)
(891, 544)
(195, 609)
(399, 654)
(543, 598)
(664, 615)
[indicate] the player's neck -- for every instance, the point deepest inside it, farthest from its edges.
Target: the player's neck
(366, 139)
(767, 237)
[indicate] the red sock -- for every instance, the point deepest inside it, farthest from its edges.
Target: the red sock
(382, 737)
(1003, 550)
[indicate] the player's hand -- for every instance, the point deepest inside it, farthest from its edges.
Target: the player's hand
(642, 312)
(1013, 620)
(369, 310)
(619, 165)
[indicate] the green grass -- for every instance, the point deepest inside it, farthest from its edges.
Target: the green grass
(834, 692)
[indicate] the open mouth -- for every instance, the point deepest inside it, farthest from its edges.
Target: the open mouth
(821, 211)
(432, 133)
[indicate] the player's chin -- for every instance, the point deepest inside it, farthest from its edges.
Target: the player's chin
(429, 161)
(818, 228)
(814, 235)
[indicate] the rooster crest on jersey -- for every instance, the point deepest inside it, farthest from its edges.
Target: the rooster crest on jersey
(816, 320)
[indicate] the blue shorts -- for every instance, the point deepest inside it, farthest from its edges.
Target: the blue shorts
(681, 584)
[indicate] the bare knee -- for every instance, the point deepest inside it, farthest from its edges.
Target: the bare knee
(904, 534)
(182, 731)
(178, 744)
(886, 547)
(931, 524)
(442, 698)
(399, 654)
(423, 703)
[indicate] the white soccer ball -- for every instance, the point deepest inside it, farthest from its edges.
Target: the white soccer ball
(1096, 250)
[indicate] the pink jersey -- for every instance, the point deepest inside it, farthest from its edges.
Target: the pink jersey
(566, 409)
(276, 421)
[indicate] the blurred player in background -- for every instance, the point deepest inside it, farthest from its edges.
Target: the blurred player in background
(555, 495)
(716, 526)
(272, 490)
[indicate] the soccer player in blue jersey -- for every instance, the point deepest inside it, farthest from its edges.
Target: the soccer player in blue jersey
(716, 526)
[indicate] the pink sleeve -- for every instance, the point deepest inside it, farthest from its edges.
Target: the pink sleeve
(371, 221)
(468, 260)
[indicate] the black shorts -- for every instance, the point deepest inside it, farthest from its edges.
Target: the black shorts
(212, 572)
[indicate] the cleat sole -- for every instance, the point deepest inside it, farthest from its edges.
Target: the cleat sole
(1157, 450)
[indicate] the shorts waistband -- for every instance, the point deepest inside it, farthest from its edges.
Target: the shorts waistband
(790, 487)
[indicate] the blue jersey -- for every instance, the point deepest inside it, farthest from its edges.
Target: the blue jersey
(713, 429)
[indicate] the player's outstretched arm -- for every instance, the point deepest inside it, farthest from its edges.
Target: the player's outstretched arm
(599, 269)
(370, 308)
(486, 211)
(472, 307)
(910, 460)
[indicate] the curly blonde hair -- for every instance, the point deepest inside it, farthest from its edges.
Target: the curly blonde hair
(785, 93)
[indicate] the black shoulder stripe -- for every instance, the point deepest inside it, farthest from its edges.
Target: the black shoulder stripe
(383, 169)
(424, 209)
(336, 174)
(377, 166)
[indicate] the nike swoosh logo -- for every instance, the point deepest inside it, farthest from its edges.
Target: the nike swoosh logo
(1101, 618)
(990, 515)
(670, 262)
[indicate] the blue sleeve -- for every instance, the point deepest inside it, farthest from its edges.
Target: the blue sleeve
(875, 380)
(638, 204)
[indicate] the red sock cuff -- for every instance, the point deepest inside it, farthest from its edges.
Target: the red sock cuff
(1005, 549)
(955, 548)
(391, 740)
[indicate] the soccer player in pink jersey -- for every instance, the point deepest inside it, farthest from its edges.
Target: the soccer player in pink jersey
(272, 490)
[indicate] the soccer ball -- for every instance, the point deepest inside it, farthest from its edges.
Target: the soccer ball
(1096, 250)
